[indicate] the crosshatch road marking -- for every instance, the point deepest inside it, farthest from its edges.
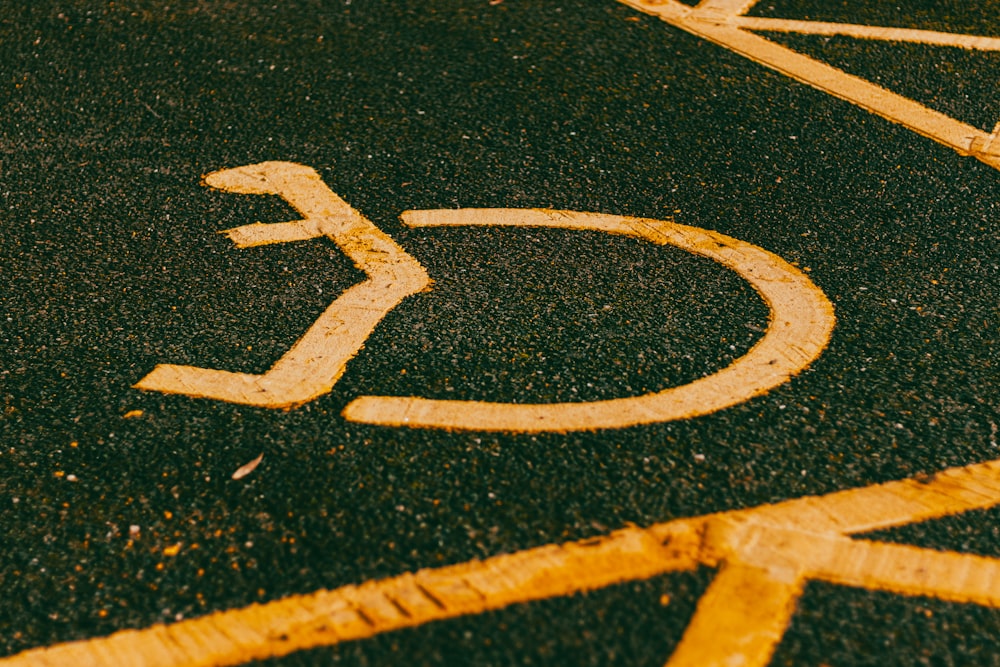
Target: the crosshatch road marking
(800, 324)
(801, 321)
(764, 556)
(722, 22)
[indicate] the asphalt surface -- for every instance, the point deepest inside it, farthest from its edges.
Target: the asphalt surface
(110, 264)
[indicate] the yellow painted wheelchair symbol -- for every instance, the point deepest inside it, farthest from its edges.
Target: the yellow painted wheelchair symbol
(801, 317)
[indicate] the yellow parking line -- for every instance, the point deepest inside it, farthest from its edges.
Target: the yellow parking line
(355, 612)
(740, 618)
(873, 32)
(719, 21)
(765, 555)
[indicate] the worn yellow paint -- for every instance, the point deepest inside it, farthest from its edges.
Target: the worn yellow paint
(317, 360)
(764, 556)
(722, 22)
(800, 325)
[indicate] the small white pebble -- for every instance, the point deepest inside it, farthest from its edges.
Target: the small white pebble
(699, 457)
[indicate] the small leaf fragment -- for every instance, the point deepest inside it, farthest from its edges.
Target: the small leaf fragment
(248, 468)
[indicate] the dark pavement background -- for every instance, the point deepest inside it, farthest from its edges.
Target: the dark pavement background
(110, 264)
